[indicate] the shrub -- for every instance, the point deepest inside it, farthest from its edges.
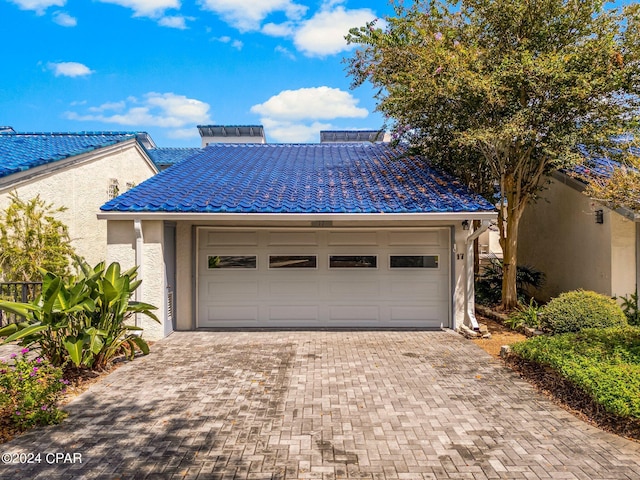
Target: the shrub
(630, 308)
(30, 390)
(528, 315)
(602, 362)
(82, 320)
(579, 309)
(489, 282)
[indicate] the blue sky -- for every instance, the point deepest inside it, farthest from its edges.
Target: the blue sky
(165, 66)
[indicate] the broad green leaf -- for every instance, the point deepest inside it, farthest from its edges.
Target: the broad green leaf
(142, 345)
(73, 346)
(25, 332)
(22, 309)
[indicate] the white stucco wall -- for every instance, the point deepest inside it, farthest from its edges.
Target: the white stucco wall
(122, 248)
(559, 235)
(82, 187)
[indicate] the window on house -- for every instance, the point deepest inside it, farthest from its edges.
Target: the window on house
(293, 261)
(413, 261)
(232, 261)
(114, 189)
(353, 261)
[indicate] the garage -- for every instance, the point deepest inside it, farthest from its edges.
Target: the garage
(301, 236)
(324, 278)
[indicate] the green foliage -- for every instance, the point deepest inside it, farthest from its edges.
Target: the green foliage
(489, 282)
(31, 237)
(630, 309)
(497, 93)
(83, 319)
(579, 309)
(605, 363)
(30, 390)
(526, 315)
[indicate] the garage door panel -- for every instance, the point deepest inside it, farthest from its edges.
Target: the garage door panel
(430, 316)
(299, 313)
(292, 238)
(354, 289)
(242, 289)
(300, 289)
(222, 238)
(353, 238)
(430, 289)
(354, 314)
(218, 315)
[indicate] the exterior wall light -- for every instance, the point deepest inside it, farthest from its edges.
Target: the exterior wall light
(465, 224)
(599, 216)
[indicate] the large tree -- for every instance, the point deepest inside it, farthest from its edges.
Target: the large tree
(31, 237)
(501, 92)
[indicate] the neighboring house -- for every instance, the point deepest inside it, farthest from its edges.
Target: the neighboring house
(300, 235)
(231, 134)
(78, 171)
(166, 157)
(578, 242)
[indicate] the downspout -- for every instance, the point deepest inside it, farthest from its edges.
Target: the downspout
(137, 227)
(469, 286)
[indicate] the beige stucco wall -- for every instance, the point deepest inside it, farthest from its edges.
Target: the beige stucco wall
(559, 235)
(122, 248)
(82, 187)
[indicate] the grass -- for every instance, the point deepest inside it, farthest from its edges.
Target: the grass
(602, 363)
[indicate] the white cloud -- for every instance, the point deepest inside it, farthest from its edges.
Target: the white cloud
(321, 103)
(147, 8)
(64, 19)
(294, 132)
(285, 51)
(278, 29)
(38, 6)
(237, 44)
(296, 115)
(69, 69)
(247, 15)
(166, 110)
(323, 34)
(176, 21)
(183, 133)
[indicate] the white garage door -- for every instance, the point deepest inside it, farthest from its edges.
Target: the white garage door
(327, 278)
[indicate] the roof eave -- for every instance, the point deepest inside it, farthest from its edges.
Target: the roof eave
(256, 217)
(581, 186)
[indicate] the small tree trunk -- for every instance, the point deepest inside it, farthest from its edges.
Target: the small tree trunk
(510, 259)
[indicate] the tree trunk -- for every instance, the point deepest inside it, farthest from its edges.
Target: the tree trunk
(510, 258)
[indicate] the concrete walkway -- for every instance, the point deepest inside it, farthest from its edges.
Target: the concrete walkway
(318, 405)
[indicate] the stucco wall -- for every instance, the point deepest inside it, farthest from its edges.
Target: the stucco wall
(122, 248)
(83, 188)
(559, 235)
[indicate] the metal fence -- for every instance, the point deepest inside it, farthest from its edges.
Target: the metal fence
(17, 292)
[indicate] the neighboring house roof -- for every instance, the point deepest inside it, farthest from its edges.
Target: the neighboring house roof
(22, 151)
(165, 157)
(340, 136)
(300, 178)
(596, 167)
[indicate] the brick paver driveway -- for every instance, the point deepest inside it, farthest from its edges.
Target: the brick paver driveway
(319, 404)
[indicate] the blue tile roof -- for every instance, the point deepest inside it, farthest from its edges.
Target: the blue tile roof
(165, 157)
(22, 151)
(595, 167)
(304, 178)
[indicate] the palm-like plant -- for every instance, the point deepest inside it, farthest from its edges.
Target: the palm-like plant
(82, 319)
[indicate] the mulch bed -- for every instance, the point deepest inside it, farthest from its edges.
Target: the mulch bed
(565, 394)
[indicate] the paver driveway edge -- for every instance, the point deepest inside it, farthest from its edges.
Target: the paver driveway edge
(320, 404)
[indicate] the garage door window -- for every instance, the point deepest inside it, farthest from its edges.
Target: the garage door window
(232, 261)
(413, 261)
(293, 261)
(353, 261)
